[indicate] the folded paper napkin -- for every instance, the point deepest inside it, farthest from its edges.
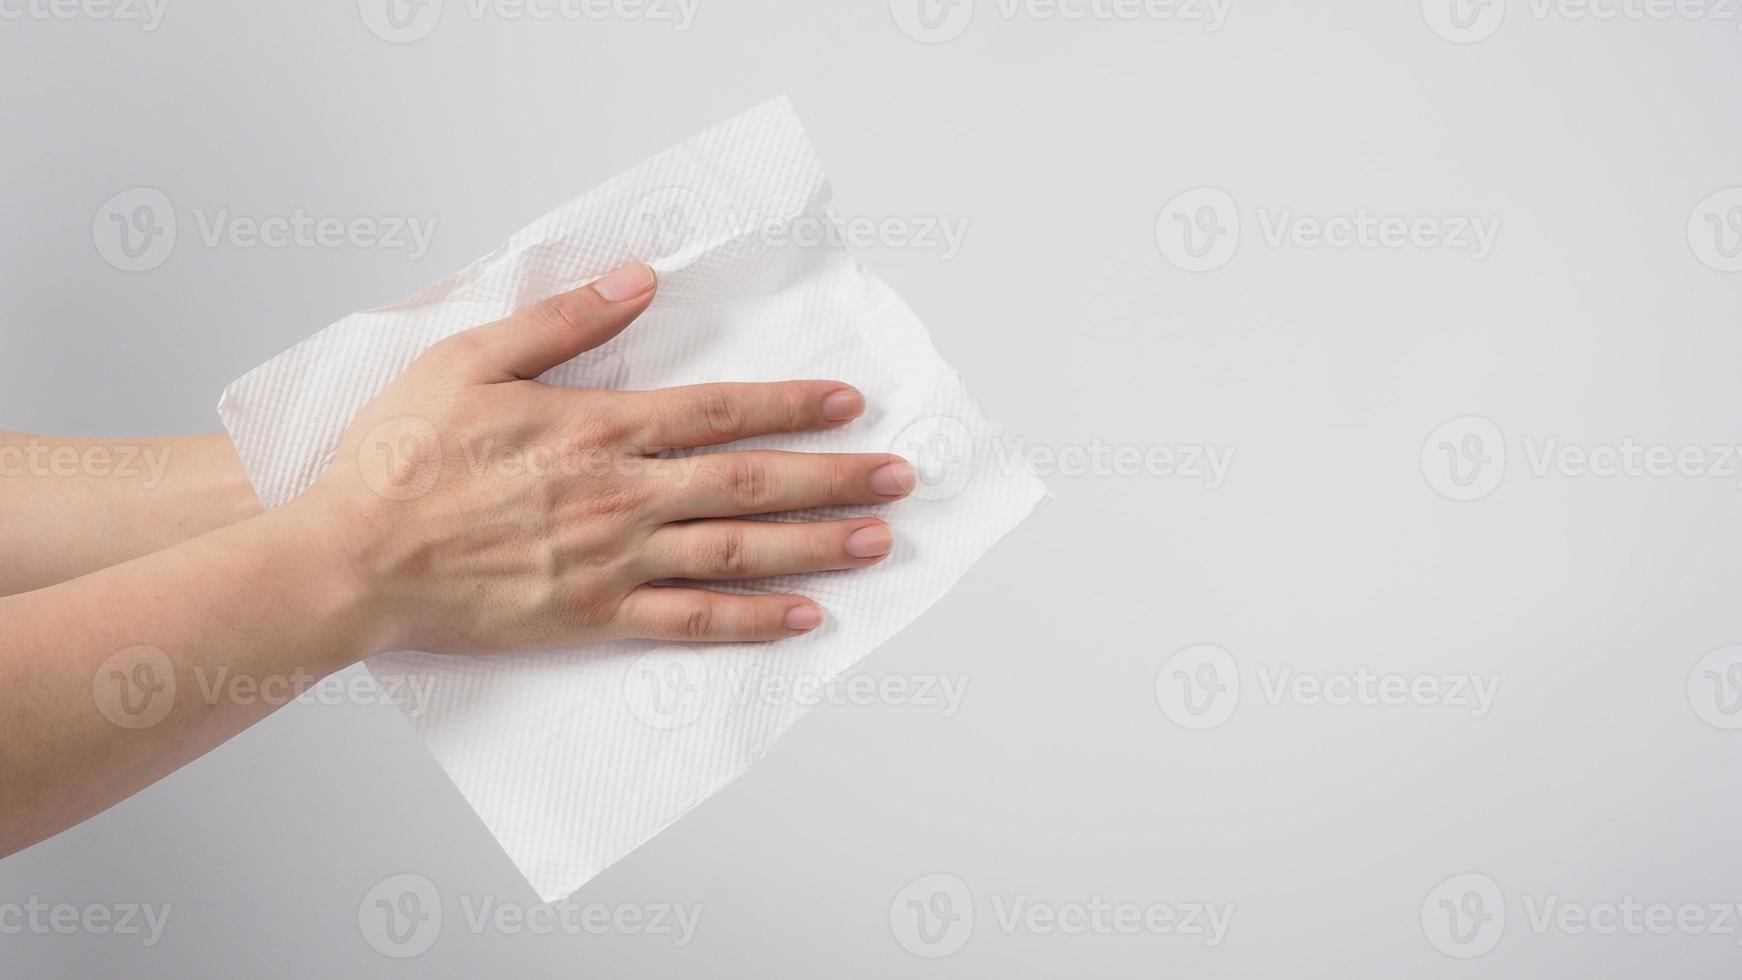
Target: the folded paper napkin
(574, 758)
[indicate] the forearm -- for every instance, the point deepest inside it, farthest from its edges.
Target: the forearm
(72, 506)
(110, 681)
(118, 678)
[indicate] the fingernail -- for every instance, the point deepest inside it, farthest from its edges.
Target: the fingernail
(870, 542)
(893, 480)
(803, 618)
(630, 282)
(843, 405)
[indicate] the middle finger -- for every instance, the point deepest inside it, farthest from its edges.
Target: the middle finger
(766, 482)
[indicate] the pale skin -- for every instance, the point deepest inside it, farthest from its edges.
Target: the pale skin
(406, 545)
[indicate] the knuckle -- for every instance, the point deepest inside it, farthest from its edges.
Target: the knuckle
(721, 413)
(727, 554)
(698, 621)
(797, 407)
(822, 548)
(617, 424)
(766, 619)
(614, 499)
(747, 481)
(591, 608)
(453, 353)
(565, 315)
(840, 476)
(594, 429)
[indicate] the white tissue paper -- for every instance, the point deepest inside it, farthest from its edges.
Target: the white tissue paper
(575, 758)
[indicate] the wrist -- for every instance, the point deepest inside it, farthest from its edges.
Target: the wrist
(331, 545)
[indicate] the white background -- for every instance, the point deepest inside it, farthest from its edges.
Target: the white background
(1598, 775)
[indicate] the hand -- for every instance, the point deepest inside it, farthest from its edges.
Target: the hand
(486, 512)
(469, 509)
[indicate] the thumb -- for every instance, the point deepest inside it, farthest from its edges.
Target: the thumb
(550, 333)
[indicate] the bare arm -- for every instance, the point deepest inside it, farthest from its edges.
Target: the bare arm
(105, 677)
(71, 506)
(469, 509)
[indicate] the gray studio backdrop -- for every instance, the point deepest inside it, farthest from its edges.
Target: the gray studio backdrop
(1382, 357)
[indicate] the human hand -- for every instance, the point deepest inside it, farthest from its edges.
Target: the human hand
(485, 512)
